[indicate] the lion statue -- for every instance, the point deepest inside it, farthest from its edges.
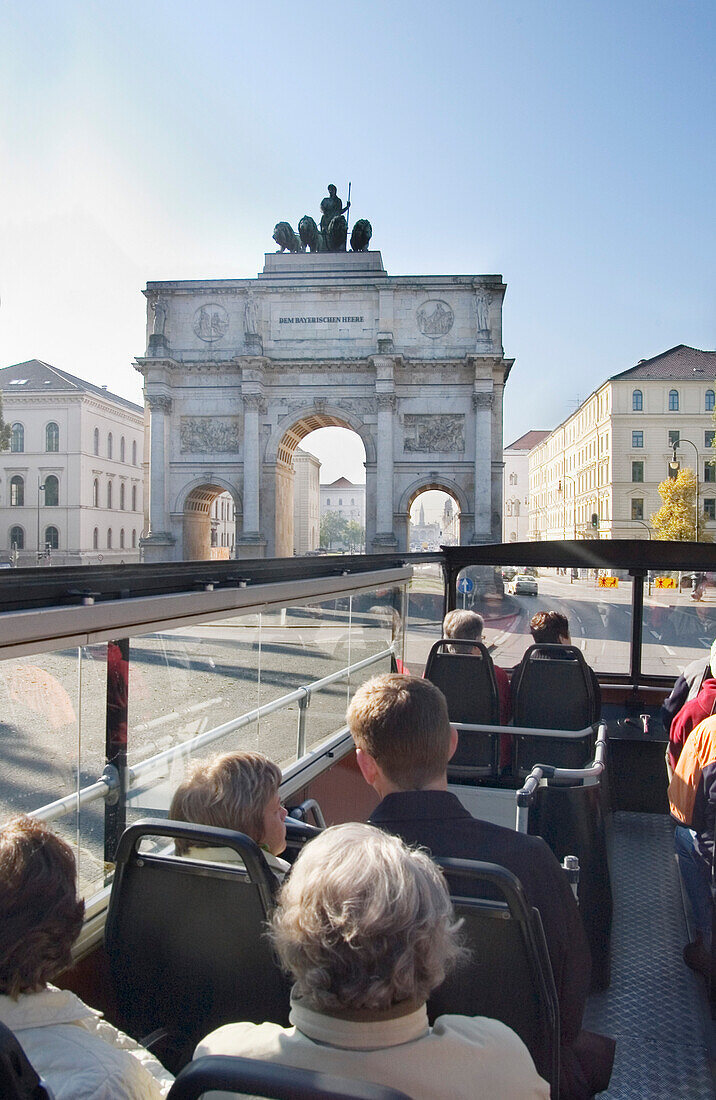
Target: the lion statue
(361, 235)
(336, 234)
(310, 234)
(286, 239)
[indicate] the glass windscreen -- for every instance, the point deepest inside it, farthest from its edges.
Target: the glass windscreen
(595, 605)
(679, 621)
(169, 698)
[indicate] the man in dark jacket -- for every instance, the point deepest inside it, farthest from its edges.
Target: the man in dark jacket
(404, 740)
(692, 712)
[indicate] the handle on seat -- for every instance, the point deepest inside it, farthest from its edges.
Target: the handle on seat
(541, 772)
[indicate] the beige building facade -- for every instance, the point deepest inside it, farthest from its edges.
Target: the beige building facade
(597, 474)
(515, 486)
(306, 502)
(71, 488)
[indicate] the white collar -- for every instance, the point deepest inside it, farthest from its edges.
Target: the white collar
(46, 1007)
(359, 1035)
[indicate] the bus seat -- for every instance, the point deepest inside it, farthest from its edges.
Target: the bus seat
(18, 1079)
(250, 1076)
(186, 939)
(467, 680)
(508, 976)
(552, 689)
(298, 834)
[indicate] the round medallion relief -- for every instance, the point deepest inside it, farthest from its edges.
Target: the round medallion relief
(435, 318)
(211, 322)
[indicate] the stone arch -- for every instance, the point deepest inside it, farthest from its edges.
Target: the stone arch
(193, 505)
(281, 448)
(431, 480)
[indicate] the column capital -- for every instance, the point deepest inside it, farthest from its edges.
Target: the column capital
(386, 401)
(482, 400)
(160, 401)
(253, 401)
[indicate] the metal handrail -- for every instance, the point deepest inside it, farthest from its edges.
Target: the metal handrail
(541, 773)
(107, 785)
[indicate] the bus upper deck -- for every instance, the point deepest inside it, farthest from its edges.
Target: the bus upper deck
(115, 679)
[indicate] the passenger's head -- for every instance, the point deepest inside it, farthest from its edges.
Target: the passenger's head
(363, 922)
(550, 627)
(239, 791)
(463, 625)
(402, 724)
(40, 913)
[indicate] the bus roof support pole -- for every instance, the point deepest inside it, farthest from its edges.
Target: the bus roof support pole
(637, 625)
(115, 811)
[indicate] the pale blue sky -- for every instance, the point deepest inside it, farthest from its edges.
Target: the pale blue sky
(568, 146)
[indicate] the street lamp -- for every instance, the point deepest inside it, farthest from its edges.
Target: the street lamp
(40, 487)
(648, 572)
(675, 466)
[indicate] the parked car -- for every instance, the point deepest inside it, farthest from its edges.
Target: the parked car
(523, 585)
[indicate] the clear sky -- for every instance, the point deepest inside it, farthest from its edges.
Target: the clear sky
(566, 144)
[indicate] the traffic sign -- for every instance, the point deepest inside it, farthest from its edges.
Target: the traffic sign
(465, 586)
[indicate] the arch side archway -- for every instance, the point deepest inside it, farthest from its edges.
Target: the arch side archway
(193, 507)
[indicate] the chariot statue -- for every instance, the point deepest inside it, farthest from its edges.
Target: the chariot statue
(331, 234)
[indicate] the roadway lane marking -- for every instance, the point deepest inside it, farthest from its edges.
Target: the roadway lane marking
(583, 644)
(669, 650)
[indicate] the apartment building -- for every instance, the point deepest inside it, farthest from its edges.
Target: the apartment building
(597, 474)
(516, 486)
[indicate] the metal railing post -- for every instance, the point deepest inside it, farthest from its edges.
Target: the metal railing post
(302, 708)
(115, 810)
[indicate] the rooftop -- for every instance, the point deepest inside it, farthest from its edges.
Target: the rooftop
(529, 440)
(34, 376)
(678, 364)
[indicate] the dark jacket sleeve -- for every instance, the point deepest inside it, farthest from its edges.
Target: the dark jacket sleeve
(703, 820)
(671, 706)
(597, 696)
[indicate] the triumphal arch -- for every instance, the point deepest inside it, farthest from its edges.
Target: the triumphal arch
(238, 371)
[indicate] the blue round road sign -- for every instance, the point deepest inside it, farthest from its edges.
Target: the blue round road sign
(465, 586)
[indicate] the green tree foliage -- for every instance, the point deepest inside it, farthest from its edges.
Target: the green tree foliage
(341, 533)
(675, 519)
(5, 431)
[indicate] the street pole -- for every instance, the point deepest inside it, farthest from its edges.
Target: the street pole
(675, 464)
(648, 572)
(39, 488)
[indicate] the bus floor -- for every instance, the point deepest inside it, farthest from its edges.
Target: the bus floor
(655, 1008)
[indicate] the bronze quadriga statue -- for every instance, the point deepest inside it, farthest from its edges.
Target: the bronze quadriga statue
(332, 234)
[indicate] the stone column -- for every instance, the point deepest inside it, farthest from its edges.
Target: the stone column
(385, 539)
(251, 543)
(482, 403)
(160, 404)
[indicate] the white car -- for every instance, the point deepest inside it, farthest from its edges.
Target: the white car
(523, 584)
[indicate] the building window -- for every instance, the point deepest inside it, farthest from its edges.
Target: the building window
(710, 401)
(17, 492)
(709, 438)
(52, 491)
(109, 445)
(637, 401)
(637, 439)
(674, 438)
(52, 437)
(709, 471)
(52, 538)
(710, 507)
(673, 401)
(134, 452)
(637, 508)
(328, 502)
(121, 497)
(121, 449)
(637, 471)
(95, 493)
(96, 441)
(134, 498)
(17, 538)
(340, 500)
(17, 440)
(134, 540)
(95, 539)
(109, 539)
(109, 494)
(121, 539)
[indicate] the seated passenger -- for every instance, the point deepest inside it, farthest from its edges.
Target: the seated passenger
(79, 1055)
(552, 628)
(239, 791)
(686, 688)
(404, 740)
(365, 927)
(692, 798)
(693, 712)
(469, 625)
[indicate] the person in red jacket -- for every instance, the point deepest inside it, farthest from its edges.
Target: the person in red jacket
(693, 712)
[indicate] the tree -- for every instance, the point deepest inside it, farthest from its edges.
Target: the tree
(333, 529)
(675, 518)
(5, 431)
(355, 536)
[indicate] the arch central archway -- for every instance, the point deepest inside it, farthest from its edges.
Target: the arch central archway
(285, 450)
(443, 485)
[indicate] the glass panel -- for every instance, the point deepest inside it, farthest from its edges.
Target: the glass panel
(598, 611)
(677, 628)
(425, 614)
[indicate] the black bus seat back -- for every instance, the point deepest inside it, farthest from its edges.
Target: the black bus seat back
(186, 939)
(271, 1080)
(18, 1078)
(468, 682)
(552, 689)
(508, 975)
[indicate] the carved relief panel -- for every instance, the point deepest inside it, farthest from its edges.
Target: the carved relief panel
(210, 434)
(434, 432)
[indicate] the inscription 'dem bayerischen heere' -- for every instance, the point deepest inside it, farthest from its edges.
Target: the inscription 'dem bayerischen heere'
(344, 320)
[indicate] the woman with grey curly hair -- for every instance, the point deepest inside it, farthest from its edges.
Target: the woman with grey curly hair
(365, 927)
